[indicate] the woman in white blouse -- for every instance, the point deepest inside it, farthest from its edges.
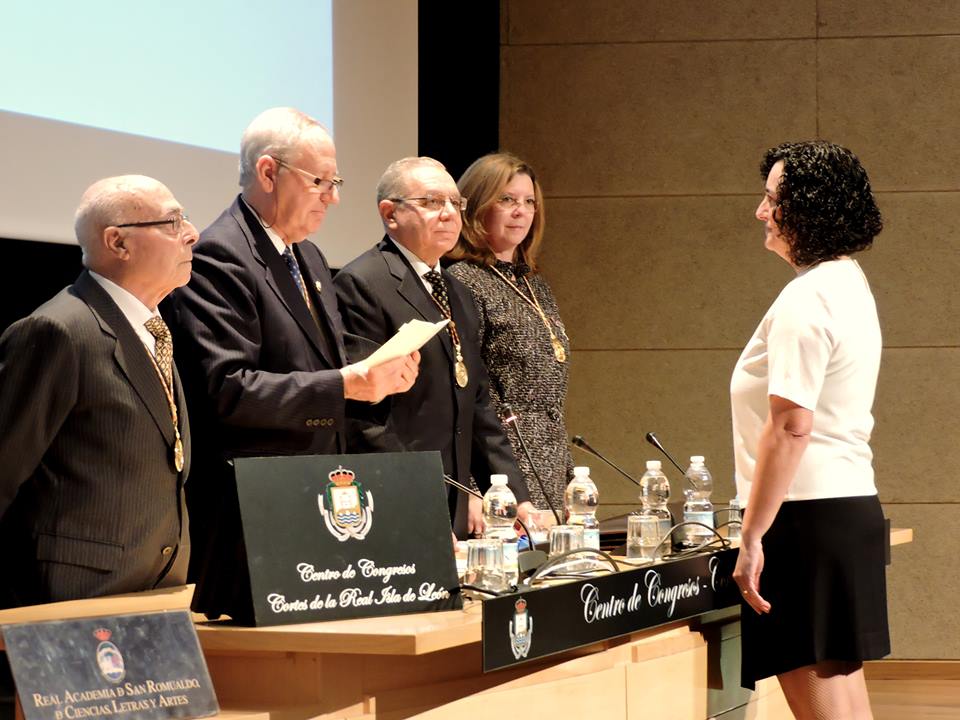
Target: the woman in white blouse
(811, 561)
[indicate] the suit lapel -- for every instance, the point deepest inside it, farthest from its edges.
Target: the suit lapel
(279, 279)
(411, 289)
(130, 354)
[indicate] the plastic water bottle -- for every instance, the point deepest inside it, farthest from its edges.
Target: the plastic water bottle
(499, 516)
(655, 494)
(698, 507)
(736, 519)
(580, 501)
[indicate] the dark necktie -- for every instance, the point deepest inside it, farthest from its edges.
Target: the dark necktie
(163, 353)
(294, 268)
(439, 290)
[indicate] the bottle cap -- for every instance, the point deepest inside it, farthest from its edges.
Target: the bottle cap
(696, 459)
(653, 465)
(581, 471)
(498, 479)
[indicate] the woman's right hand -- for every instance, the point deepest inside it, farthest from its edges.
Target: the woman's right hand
(747, 574)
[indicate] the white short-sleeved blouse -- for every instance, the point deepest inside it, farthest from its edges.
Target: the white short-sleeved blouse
(818, 346)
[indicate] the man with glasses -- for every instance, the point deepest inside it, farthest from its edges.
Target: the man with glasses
(448, 409)
(94, 438)
(260, 340)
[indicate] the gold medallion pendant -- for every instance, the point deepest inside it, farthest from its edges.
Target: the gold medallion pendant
(178, 454)
(460, 373)
(558, 352)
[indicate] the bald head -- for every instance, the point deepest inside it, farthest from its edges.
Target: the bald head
(282, 132)
(109, 202)
(151, 255)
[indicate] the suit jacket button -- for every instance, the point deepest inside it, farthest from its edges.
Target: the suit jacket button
(167, 550)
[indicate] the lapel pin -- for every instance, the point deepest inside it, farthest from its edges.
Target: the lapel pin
(318, 285)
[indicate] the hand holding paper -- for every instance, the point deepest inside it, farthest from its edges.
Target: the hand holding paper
(411, 336)
(393, 367)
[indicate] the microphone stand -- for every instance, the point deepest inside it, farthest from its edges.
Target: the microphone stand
(579, 442)
(652, 439)
(510, 418)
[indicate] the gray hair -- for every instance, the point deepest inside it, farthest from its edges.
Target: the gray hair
(393, 182)
(280, 132)
(108, 202)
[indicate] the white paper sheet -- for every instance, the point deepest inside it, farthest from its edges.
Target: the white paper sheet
(411, 336)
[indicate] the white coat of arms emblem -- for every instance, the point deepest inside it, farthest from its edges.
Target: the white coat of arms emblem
(346, 508)
(521, 629)
(109, 659)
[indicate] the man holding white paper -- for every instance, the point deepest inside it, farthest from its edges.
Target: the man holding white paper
(260, 342)
(448, 408)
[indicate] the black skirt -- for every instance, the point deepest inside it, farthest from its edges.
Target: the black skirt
(824, 575)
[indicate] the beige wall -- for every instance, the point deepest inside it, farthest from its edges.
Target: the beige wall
(646, 120)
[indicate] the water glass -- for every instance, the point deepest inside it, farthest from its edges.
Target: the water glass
(643, 536)
(539, 523)
(564, 538)
(485, 564)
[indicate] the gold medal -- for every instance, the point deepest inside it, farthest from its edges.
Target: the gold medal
(558, 352)
(178, 454)
(460, 372)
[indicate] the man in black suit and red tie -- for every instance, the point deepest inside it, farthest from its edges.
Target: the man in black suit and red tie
(260, 341)
(94, 437)
(400, 279)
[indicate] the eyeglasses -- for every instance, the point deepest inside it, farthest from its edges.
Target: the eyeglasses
(434, 203)
(509, 202)
(321, 185)
(175, 223)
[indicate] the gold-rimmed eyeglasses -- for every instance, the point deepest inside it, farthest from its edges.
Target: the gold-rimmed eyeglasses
(434, 203)
(509, 202)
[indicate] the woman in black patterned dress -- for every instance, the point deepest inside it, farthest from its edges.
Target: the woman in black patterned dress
(524, 343)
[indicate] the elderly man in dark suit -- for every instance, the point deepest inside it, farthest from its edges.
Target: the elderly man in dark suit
(448, 409)
(94, 438)
(260, 340)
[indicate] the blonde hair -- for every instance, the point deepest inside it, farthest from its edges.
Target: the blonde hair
(482, 184)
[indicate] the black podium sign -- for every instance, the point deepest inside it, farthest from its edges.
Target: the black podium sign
(127, 666)
(522, 627)
(345, 536)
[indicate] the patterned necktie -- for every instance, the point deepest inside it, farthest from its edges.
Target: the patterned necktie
(164, 350)
(439, 290)
(294, 268)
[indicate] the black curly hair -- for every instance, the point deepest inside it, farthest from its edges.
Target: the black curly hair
(826, 206)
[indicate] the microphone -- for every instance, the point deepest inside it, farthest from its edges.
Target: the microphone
(461, 487)
(652, 439)
(509, 417)
(584, 445)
